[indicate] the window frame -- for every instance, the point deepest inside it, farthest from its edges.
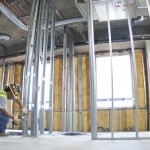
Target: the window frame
(107, 54)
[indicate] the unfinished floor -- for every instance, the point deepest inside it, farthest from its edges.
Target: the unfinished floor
(57, 141)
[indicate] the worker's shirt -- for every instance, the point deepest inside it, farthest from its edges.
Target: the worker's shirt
(3, 99)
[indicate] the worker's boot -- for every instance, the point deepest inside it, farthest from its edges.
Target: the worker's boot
(4, 134)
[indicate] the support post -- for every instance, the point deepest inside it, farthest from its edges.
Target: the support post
(111, 67)
(71, 99)
(52, 71)
(73, 84)
(7, 75)
(36, 91)
(3, 73)
(80, 90)
(12, 102)
(93, 106)
(29, 61)
(64, 87)
(44, 60)
(134, 69)
(7, 83)
(148, 6)
(148, 77)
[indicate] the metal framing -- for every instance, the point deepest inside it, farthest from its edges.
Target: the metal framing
(145, 92)
(80, 90)
(3, 73)
(111, 66)
(44, 60)
(6, 84)
(92, 72)
(37, 49)
(12, 102)
(36, 53)
(7, 75)
(148, 77)
(52, 47)
(148, 6)
(93, 98)
(37, 89)
(29, 60)
(64, 86)
(133, 68)
(71, 89)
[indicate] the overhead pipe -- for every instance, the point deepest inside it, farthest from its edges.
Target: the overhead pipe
(139, 20)
(68, 21)
(12, 17)
(4, 36)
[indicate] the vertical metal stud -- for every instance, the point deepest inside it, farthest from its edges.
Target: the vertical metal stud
(148, 6)
(148, 71)
(73, 86)
(36, 91)
(111, 66)
(64, 87)
(3, 73)
(44, 60)
(52, 71)
(7, 75)
(93, 106)
(29, 60)
(134, 68)
(71, 98)
(7, 83)
(69, 126)
(80, 90)
(11, 103)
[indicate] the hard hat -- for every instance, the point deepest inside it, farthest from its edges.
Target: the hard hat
(14, 88)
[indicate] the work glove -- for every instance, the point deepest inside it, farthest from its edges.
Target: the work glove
(16, 120)
(24, 111)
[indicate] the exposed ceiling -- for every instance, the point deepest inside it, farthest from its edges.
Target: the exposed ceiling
(66, 10)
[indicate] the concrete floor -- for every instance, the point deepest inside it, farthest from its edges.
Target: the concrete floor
(61, 142)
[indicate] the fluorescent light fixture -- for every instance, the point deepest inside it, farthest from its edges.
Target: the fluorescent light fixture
(12, 16)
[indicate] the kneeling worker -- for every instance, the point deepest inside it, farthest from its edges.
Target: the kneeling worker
(10, 92)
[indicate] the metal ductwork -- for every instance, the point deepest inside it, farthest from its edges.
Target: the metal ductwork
(143, 7)
(116, 9)
(12, 17)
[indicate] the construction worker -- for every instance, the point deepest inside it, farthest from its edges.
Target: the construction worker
(10, 92)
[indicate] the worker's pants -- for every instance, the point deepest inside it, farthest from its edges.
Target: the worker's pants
(3, 122)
